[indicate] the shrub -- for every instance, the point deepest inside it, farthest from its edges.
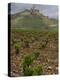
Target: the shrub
(28, 71)
(17, 47)
(38, 70)
(27, 60)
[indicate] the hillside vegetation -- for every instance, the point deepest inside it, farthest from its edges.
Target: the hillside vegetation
(27, 21)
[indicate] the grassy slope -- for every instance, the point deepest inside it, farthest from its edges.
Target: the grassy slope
(31, 21)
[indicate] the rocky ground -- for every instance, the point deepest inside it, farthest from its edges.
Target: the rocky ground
(31, 42)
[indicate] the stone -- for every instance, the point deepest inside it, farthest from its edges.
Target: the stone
(49, 68)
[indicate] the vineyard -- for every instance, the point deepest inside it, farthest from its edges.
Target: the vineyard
(34, 52)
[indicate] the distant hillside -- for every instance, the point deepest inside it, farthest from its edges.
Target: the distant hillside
(28, 19)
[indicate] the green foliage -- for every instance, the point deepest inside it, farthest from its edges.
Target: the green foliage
(28, 71)
(27, 60)
(38, 70)
(17, 47)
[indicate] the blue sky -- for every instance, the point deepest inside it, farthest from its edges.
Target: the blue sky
(48, 10)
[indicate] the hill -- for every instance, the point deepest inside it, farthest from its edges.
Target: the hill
(29, 19)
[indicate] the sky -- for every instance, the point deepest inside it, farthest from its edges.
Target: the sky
(48, 10)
